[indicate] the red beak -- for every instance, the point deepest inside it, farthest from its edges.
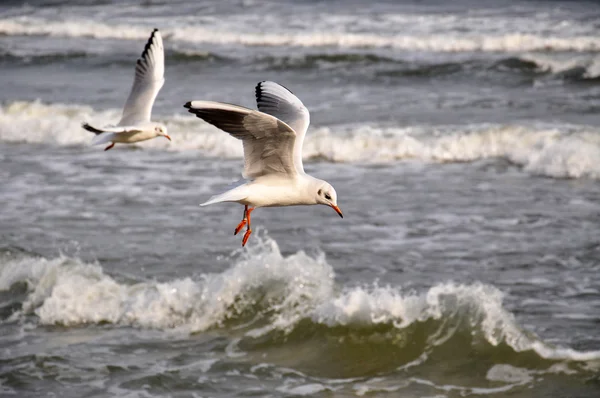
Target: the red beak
(167, 137)
(337, 209)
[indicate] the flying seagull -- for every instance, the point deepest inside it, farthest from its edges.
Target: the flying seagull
(135, 124)
(272, 138)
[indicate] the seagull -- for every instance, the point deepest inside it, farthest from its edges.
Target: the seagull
(272, 138)
(135, 124)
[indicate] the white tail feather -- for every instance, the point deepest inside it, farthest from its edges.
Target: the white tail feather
(214, 199)
(233, 195)
(103, 138)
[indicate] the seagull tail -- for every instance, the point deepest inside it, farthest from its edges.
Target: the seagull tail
(103, 138)
(214, 199)
(234, 195)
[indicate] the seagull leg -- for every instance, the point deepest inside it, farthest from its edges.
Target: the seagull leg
(243, 222)
(112, 144)
(249, 229)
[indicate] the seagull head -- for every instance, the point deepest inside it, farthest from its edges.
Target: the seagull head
(326, 195)
(161, 131)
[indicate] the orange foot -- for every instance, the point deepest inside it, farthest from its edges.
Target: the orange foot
(246, 236)
(241, 225)
(112, 144)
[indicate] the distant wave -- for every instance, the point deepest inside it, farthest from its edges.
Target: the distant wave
(513, 42)
(555, 66)
(562, 151)
(574, 67)
(567, 67)
(320, 60)
(42, 56)
(268, 298)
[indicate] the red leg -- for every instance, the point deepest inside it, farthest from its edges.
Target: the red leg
(112, 144)
(249, 229)
(243, 222)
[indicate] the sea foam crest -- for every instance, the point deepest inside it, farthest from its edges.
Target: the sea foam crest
(59, 124)
(554, 151)
(511, 42)
(70, 292)
(278, 292)
(550, 151)
(580, 66)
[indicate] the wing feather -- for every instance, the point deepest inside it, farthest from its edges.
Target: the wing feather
(276, 100)
(268, 142)
(149, 79)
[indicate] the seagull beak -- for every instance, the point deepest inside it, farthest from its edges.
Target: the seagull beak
(337, 209)
(167, 137)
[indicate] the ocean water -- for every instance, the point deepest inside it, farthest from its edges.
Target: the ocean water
(462, 139)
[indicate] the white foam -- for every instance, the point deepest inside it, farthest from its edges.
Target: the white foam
(69, 292)
(564, 151)
(419, 41)
(60, 124)
(509, 374)
(587, 64)
(285, 290)
(479, 304)
(27, 269)
(561, 151)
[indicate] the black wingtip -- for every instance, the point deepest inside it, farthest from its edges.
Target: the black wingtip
(147, 46)
(188, 105)
(91, 129)
(258, 90)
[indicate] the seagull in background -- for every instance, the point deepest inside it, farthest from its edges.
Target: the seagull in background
(135, 124)
(272, 138)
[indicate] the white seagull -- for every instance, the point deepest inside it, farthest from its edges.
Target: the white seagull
(135, 124)
(272, 139)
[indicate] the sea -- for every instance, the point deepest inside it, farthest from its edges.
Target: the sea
(463, 139)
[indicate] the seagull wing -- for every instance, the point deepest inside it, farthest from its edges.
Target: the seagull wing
(149, 79)
(111, 129)
(268, 142)
(278, 101)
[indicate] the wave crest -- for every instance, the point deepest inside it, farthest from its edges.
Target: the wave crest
(268, 298)
(561, 152)
(566, 66)
(514, 42)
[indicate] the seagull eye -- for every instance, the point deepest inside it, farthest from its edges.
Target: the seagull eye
(319, 192)
(327, 196)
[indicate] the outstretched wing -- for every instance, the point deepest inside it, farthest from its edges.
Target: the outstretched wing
(268, 142)
(111, 129)
(278, 101)
(149, 79)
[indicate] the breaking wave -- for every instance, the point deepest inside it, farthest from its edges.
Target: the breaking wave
(561, 152)
(45, 56)
(566, 66)
(271, 300)
(511, 42)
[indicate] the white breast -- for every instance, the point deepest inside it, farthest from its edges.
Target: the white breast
(272, 192)
(128, 137)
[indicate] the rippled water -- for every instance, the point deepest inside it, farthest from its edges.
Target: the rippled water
(461, 140)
